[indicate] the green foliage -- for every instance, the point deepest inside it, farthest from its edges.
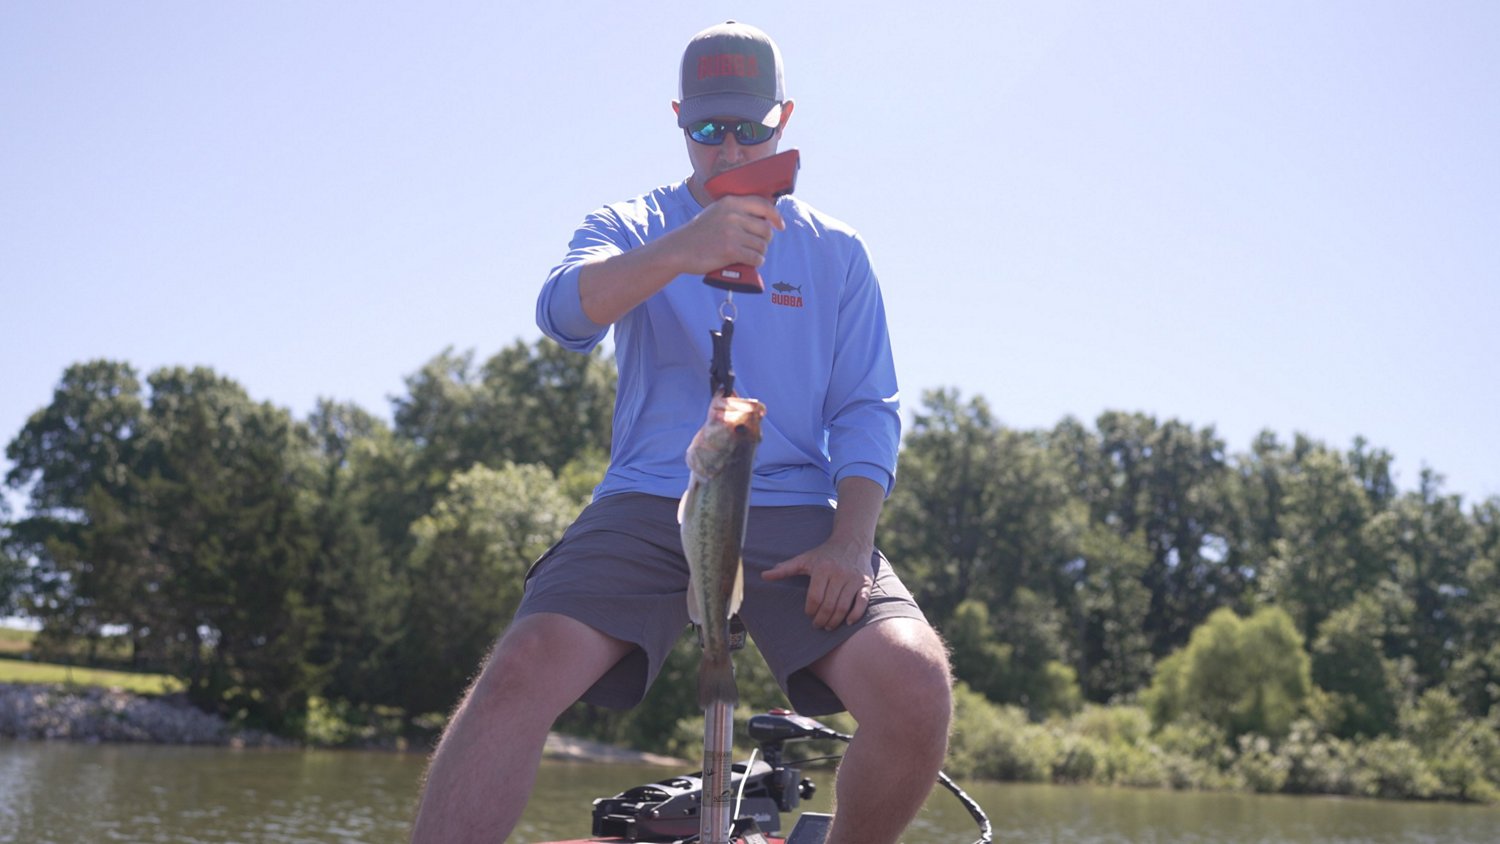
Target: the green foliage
(1013, 662)
(1391, 768)
(354, 573)
(1462, 753)
(467, 571)
(13, 571)
(1258, 767)
(1320, 557)
(976, 514)
(1364, 687)
(325, 577)
(1114, 603)
(1425, 545)
(1166, 484)
(997, 742)
(1242, 676)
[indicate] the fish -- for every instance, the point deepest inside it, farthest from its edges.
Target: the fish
(712, 516)
(783, 287)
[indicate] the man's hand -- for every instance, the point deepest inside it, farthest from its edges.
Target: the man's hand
(840, 579)
(732, 230)
(840, 574)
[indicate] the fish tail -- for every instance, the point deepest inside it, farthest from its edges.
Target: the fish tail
(716, 681)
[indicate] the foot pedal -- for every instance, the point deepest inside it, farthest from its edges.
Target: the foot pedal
(747, 831)
(811, 828)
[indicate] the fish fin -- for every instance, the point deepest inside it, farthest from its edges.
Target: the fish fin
(694, 614)
(716, 681)
(738, 594)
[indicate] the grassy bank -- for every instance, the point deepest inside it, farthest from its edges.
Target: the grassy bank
(26, 672)
(18, 666)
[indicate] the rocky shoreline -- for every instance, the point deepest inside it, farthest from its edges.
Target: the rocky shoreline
(90, 714)
(51, 712)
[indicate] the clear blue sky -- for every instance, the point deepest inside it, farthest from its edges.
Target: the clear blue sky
(1251, 215)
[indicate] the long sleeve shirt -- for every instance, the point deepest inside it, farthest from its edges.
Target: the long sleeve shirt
(814, 348)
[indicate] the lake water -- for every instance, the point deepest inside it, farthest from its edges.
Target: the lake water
(63, 793)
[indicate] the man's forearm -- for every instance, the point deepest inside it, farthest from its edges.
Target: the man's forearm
(609, 288)
(860, 503)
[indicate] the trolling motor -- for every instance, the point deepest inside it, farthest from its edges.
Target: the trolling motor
(771, 177)
(668, 811)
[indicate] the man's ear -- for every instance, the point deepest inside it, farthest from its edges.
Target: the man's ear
(786, 113)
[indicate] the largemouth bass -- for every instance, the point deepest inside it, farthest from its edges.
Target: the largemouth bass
(713, 514)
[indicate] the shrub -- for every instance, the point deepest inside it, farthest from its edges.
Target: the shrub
(1258, 767)
(1316, 763)
(1462, 753)
(1193, 738)
(1111, 724)
(1079, 757)
(1140, 766)
(997, 742)
(1392, 768)
(1242, 675)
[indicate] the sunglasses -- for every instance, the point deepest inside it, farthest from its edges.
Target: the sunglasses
(746, 132)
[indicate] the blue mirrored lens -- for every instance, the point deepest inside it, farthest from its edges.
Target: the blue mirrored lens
(746, 132)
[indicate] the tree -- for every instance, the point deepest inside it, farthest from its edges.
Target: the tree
(1242, 675)
(539, 404)
(1170, 484)
(184, 522)
(467, 572)
(1425, 545)
(1365, 687)
(1115, 652)
(13, 566)
(978, 512)
(83, 441)
(353, 580)
(1319, 562)
(1476, 669)
(230, 538)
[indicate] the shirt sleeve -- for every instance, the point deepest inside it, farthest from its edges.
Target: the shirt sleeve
(863, 407)
(559, 311)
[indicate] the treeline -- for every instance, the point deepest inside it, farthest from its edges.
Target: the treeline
(271, 562)
(276, 563)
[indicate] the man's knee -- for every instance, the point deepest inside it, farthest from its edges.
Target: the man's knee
(543, 661)
(896, 670)
(924, 687)
(505, 672)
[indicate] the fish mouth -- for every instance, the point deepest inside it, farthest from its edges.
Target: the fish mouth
(743, 415)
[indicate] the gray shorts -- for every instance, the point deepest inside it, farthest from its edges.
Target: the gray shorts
(620, 570)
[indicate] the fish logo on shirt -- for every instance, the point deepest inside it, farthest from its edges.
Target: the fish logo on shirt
(784, 295)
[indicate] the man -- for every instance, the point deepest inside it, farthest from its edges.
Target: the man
(604, 606)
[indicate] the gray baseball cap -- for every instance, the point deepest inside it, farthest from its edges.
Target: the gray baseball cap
(731, 70)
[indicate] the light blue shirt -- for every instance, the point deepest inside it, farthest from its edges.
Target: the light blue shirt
(814, 348)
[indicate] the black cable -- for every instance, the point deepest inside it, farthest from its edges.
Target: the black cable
(986, 831)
